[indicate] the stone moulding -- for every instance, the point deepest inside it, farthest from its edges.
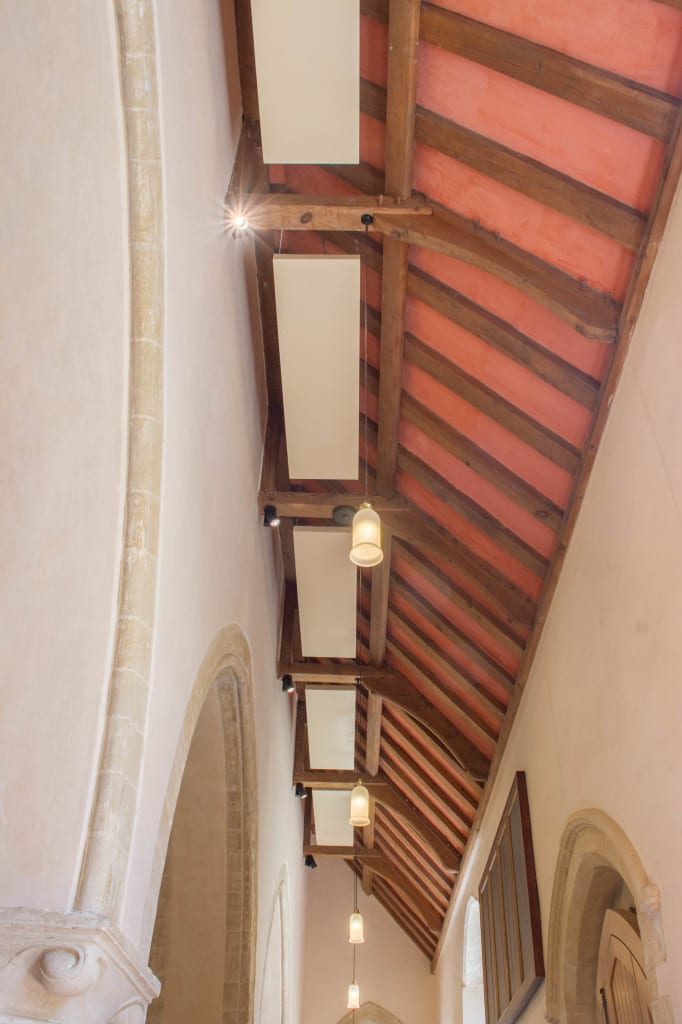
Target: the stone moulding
(593, 852)
(227, 665)
(74, 968)
(107, 848)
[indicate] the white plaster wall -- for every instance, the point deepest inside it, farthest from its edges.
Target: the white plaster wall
(63, 366)
(216, 560)
(601, 719)
(390, 969)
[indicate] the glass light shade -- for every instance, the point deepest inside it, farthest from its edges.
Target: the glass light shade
(355, 928)
(354, 997)
(366, 537)
(359, 807)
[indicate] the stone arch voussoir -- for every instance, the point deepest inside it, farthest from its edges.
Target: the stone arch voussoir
(227, 665)
(595, 857)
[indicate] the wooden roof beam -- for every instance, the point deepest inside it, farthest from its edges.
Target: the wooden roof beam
(310, 505)
(532, 178)
(503, 337)
(588, 311)
(288, 211)
(395, 876)
(603, 92)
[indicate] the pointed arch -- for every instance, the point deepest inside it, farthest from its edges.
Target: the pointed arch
(595, 858)
(370, 1013)
(224, 688)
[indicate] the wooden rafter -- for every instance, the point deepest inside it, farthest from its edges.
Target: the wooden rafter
(477, 320)
(534, 179)
(454, 635)
(588, 311)
(595, 89)
(472, 512)
(509, 416)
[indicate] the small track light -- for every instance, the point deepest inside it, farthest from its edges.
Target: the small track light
(240, 225)
(300, 791)
(310, 861)
(270, 517)
(287, 684)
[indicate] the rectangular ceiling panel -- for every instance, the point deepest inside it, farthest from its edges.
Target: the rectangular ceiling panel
(318, 304)
(308, 74)
(332, 810)
(327, 591)
(331, 726)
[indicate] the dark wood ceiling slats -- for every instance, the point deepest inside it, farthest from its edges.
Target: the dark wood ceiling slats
(504, 338)
(410, 857)
(457, 637)
(534, 179)
(476, 514)
(389, 823)
(421, 749)
(389, 870)
(487, 401)
(603, 92)
(480, 322)
(414, 774)
(424, 532)
(392, 903)
(486, 466)
(504, 633)
(453, 682)
(586, 310)
(476, 744)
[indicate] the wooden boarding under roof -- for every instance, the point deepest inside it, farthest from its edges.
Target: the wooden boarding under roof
(499, 322)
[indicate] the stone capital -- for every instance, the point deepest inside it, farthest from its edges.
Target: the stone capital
(74, 968)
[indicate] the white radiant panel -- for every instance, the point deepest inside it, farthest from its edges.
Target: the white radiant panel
(327, 591)
(332, 811)
(318, 316)
(331, 727)
(308, 73)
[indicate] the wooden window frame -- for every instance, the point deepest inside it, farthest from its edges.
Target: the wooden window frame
(508, 891)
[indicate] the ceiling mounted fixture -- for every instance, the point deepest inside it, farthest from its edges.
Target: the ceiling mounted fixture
(301, 792)
(359, 806)
(288, 684)
(366, 550)
(270, 517)
(310, 861)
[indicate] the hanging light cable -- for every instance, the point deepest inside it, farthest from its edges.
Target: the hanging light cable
(366, 530)
(356, 932)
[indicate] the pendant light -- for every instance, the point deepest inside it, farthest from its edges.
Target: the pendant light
(359, 806)
(354, 990)
(356, 931)
(366, 530)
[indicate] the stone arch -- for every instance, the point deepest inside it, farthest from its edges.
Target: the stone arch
(595, 859)
(222, 699)
(369, 1013)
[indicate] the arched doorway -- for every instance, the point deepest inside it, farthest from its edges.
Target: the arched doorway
(369, 1013)
(598, 870)
(203, 942)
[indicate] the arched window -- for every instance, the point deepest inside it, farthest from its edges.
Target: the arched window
(473, 1001)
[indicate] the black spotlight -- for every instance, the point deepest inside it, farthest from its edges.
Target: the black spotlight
(287, 684)
(310, 861)
(270, 517)
(301, 792)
